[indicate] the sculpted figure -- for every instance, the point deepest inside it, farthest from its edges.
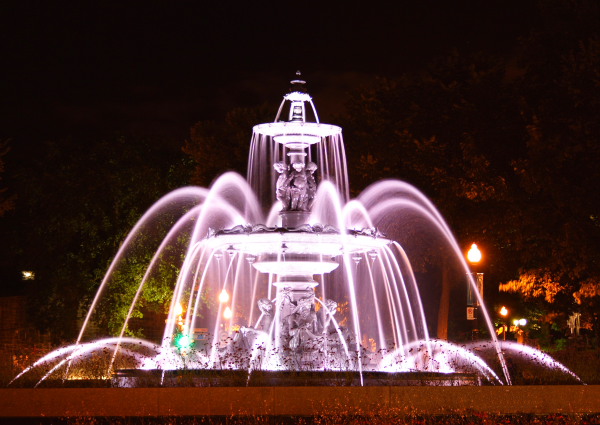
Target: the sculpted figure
(282, 189)
(266, 308)
(331, 306)
(331, 309)
(311, 186)
(302, 321)
(298, 187)
(286, 308)
(299, 335)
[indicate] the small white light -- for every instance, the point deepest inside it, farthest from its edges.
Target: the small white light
(28, 275)
(227, 313)
(223, 296)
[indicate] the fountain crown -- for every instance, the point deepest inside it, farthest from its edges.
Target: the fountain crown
(298, 102)
(296, 124)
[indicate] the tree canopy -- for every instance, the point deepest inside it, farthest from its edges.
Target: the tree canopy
(220, 146)
(508, 148)
(78, 199)
(6, 201)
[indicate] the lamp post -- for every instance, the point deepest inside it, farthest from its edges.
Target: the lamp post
(504, 313)
(519, 329)
(474, 256)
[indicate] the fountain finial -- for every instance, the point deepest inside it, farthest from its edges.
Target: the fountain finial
(294, 125)
(298, 84)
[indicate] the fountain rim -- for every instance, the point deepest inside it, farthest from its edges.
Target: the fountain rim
(314, 130)
(328, 242)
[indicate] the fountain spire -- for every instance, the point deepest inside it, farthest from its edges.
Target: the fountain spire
(298, 84)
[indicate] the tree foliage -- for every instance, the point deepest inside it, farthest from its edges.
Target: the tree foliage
(77, 202)
(6, 202)
(507, 147)
(217, 147)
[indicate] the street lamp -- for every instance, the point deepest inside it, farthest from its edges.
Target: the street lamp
(223, 296)
(178, 309)
(520, 322)
(504, 312)
(474, 256)
(519, 329)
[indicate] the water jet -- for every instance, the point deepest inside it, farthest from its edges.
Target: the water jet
(282, 278)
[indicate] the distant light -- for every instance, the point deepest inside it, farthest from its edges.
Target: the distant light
(227, 314)
(223, 296)
(178, 309)
(503, 311)
(474, 255)
(522, 322)
(27, 275)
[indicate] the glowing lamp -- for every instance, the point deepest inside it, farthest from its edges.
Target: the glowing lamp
(184, 342)
(227, 314)
(178, 309)
(27, 275)
(223, 296)
(522, 322)
(474, 255)
(503, 311)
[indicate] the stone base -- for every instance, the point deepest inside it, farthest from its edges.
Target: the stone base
(300, 401)
(291, 219)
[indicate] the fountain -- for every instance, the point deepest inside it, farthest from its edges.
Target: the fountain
(281, 275)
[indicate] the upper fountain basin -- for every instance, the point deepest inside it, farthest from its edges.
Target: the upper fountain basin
(297, 134)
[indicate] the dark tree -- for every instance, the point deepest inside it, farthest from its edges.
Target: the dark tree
(220, 146)
(78, 199)
(6, 202)
(507, 147)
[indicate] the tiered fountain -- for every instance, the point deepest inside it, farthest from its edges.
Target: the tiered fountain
(313, 284)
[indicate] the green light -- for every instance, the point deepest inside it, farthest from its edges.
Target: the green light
(184, 342)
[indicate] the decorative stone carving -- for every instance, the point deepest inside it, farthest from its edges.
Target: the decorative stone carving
(266, 308)
(296, 187)
(282, 188)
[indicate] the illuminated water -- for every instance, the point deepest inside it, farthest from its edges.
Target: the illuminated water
(330, 287)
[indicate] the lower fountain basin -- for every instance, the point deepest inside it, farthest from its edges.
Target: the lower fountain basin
(127, 378)
(306, 239)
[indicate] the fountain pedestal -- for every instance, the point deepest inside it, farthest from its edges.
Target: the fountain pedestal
(293, 219)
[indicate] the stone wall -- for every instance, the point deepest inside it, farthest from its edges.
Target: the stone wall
(297, 401)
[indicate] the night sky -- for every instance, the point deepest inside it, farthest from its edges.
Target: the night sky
(157, 67)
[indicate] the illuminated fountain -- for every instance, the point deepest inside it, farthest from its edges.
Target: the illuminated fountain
(313, 282)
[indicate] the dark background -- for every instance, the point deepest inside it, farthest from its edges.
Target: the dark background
(158, 67)
(97, 100)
